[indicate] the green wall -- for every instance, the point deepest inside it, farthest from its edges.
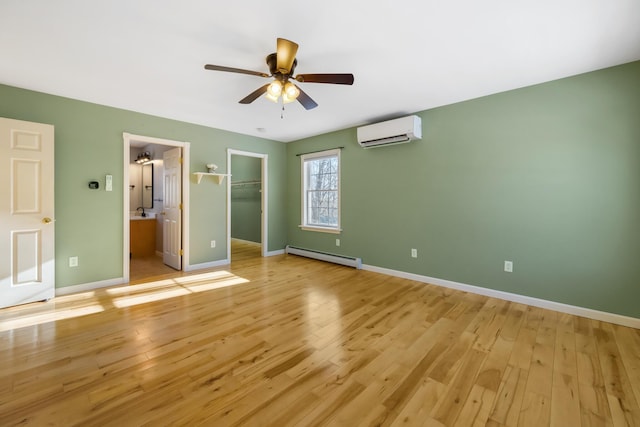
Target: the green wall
(89, 145)
(546, 176)
(246, 199)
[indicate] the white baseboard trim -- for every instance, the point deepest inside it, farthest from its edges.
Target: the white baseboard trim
(84, 287)
(604, 316)
(202, 266)
(274, 253)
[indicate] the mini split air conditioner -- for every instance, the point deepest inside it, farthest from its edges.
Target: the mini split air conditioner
(396, 131)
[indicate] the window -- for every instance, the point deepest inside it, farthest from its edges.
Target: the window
(321, 191)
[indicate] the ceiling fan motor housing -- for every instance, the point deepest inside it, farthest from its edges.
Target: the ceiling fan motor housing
(272, 63)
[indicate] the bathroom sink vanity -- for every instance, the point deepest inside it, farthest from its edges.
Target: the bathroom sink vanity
(142, 236)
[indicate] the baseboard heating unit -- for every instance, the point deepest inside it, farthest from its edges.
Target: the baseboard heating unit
(324, 256)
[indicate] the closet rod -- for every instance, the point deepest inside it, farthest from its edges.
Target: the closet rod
(245, 182)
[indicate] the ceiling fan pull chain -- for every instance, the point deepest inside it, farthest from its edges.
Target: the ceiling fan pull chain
(282, 112)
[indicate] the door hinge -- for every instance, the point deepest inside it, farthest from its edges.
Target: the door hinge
(181, 252)
(180, 206)
(180, 160)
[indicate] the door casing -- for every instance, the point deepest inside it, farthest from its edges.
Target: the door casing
(127, 139)
(264, 199)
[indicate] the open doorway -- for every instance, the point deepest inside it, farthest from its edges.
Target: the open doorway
(155, 225)
(247, 198)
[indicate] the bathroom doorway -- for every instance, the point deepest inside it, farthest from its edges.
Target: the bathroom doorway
(247, 212)
(155, 228)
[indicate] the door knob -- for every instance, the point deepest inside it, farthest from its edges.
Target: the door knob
(46, 220)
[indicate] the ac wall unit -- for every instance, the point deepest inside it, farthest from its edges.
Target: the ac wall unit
(390, 132)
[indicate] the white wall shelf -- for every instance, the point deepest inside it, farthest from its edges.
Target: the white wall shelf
(217, 177)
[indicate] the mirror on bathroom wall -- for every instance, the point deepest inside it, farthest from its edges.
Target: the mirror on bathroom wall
(141, 186)
(147, 186)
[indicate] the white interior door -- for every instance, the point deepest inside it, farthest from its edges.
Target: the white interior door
(172, 219)
(27, 263)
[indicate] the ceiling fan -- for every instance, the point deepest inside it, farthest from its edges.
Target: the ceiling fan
(281, 65)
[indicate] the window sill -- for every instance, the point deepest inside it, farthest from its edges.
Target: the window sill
(320, 229)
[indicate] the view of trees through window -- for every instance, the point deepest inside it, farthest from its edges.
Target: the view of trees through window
(321, 188)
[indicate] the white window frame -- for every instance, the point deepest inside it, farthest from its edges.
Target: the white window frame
(303, 185)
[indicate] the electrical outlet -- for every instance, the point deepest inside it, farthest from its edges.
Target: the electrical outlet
(213, 243)
(73, 261)
(414, 253)
(337, 242)
(109, 183)
(508, 266)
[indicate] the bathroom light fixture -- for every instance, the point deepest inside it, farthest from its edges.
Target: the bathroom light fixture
(143, 157)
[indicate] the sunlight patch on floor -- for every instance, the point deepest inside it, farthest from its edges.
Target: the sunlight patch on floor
(210, 281)
(156, 295)
(86, 303)
(214, 275)
(146, 286)
(50, 316)
(202, 287)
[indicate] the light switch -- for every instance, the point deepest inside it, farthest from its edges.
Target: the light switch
(109, 183)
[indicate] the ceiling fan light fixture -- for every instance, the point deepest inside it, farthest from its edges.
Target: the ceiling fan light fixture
(286, 99)
(291, 91)
(271, 97)
(275, 88)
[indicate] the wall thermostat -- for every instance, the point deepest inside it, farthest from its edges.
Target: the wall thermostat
(94, 185)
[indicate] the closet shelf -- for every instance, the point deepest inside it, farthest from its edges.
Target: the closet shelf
(217, 177)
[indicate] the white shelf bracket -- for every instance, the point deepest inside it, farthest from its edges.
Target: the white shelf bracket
(217, 177)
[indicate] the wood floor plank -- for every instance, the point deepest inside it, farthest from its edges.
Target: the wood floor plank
(622, 402)
(628, 342)
(477, 408)
(419, 406)
(565, 400)
(535, 411)
(594, 406)
(376, 391)
(288, 341)
(452, 402)
(449, 364)
(506, 408)
(523, 348)
(493, 368)
(332, 404)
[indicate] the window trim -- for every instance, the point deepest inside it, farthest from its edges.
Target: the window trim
(303, 187)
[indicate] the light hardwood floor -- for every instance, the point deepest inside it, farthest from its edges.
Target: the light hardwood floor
(291, 341)
(151, 267)
(145, 268)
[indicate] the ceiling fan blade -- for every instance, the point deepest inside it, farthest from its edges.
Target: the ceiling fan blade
(339, 79)
(235, 70)
(254, 95)
(306, 100)
(286, 54)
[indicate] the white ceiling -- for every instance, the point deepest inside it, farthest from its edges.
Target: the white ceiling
(407, 56)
